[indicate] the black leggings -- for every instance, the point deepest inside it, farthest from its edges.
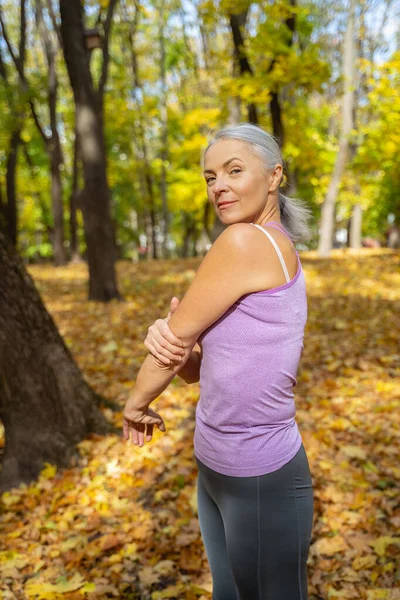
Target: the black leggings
(257, 531)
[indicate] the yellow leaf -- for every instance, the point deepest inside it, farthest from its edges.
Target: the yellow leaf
(9, 499)
(49, 471)
(380, 544)
(354, 452)
(47, 590)
(329, 546)
(364, 562)
(172, 591)
(383, 594)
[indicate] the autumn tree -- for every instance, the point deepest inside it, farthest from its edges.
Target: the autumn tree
(328, 207)
(89, 100)
(46, 406)
(9, 208)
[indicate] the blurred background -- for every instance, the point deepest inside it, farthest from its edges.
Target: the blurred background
(106, 107)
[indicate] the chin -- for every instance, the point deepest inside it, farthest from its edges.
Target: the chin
(229, 220)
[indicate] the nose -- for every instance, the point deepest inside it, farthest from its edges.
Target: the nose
(220, 185)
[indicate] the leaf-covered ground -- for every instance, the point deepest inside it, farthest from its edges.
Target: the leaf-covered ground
(123, 522)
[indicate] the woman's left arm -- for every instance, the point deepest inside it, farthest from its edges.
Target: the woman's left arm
(224, 275)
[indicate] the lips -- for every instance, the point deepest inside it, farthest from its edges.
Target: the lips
(222, 204)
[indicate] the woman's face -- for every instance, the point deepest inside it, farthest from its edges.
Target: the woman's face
(238, 184)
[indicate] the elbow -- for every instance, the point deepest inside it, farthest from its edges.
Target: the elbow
(190, 379)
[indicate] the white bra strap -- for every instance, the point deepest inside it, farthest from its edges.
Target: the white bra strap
(279, 253)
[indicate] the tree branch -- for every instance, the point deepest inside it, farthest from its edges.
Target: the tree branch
(56, 27)
(8, 43)
(22, 39)
(106, 54)
(45, 137)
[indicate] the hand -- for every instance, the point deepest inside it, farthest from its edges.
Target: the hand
(136, 420)
(160, 340)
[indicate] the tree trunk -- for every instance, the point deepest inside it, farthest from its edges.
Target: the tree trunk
(328, 207)
(73, 204)
(237, 22)
(52, 143)
(46, 406)
(57, 202)
(217, 229)
(355, 226)
(147, 182)
(274, 103)
(19, 62)
(96, 195)
(164, 134)
(276, 117)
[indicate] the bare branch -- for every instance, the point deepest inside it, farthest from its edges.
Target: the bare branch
(22, 39)
(8, 43)
(45, 138)
(56, 27)
(106, 42)
(43, 31)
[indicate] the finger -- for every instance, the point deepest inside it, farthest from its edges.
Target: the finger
(166, 350)
(149, 432)
(161, 426)
(141, 428)
(152, 349)
(125, 429)
(135, 438)
(171, 338)
(160, 333)
(174, 303)
(161, 339)
(167, 339)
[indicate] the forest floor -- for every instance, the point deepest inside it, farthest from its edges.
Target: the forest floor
(122, 522)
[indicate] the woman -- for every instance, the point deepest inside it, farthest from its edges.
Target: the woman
(239, 330)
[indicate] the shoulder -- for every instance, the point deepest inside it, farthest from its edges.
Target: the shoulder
(237, 233)
(246, 243)
(238, 237)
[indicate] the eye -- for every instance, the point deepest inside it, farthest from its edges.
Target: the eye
(235, 170)
(209, 180)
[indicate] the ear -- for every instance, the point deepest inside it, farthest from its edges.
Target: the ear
(276, 177)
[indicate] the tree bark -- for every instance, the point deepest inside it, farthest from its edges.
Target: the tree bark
(328, 207)
(52, 143)
(73, 205)
(146, 176)
(274, 103)
(10, 212)
(238, 21)
(46, 406)
(164, 133)
(89, 126)
(355, 226)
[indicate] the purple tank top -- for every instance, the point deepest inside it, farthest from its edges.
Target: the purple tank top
(245, 417)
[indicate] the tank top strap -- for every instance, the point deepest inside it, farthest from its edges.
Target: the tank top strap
(279, 253)
(279, 227)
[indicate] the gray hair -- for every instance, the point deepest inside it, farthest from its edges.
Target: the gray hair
(294, 213)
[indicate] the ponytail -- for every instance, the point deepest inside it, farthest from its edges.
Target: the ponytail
(295, 217)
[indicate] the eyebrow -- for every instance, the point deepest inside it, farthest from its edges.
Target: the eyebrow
(226, 163)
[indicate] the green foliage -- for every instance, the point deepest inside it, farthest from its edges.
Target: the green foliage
(202, 83)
